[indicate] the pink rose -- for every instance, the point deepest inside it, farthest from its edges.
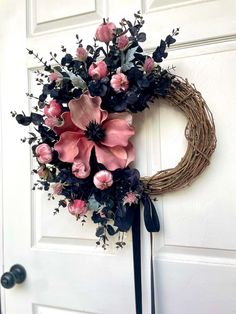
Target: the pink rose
(148, 65)
(53, 109)
(103, 179)
(105, 32)
(119, 82)
(43, 153)
(79, 169)
(98, 70)
(81, 54)
(123, 42)
(57, 188)
(51, 122)
(78, 208)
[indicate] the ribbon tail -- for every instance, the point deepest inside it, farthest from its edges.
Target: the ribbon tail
(136, 235)
(150, 215)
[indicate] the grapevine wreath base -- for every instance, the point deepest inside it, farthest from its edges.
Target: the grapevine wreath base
(200, 134)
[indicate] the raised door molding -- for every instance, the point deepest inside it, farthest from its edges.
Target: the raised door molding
(62, 15)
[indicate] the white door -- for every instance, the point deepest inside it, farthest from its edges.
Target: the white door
(195, 255)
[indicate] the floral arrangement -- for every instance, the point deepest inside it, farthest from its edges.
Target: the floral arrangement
(83, 125)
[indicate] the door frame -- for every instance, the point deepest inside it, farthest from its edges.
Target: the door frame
(2, 294)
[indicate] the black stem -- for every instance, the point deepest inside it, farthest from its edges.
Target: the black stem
(37, 57)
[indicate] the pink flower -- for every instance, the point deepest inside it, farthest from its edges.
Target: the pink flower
(105, 32)
(148, 65)
(51, 122)
(87, 126)
(123, 42)
(79, 169)
(103, 179)
(53, 110)
(78, 208)
(131, 198)
(119, 82)
(98, 70)
(55, 76)
(43, 153)
(81, 54)
(57, 188)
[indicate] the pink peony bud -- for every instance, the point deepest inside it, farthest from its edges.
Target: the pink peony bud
(98, 70)
(43, 153)
(51, 122)
(81, 54)
(53, 110)
(79, 169)
(78, 208)
(119, 82)
(123, 42)
(105, 32)
(103, 179)
(148, 65)
(53, 76)
(57, 188)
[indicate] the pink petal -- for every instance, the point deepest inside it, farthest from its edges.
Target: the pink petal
(130, 153)
(104, 115)
(86, 109)
(79, 169)
(85, 147)
(121, 115)
(117, 133)
(67, 125)
(111, 157)
(67, 146)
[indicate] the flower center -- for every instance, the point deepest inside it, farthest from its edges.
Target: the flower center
(94, 132)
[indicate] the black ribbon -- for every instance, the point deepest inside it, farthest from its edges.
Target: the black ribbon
(152, 224)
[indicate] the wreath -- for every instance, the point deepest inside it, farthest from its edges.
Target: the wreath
(82, 125)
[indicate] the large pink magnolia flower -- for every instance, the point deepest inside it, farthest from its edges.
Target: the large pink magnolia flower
(87, 126)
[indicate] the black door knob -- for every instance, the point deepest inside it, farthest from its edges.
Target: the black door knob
(17, 274)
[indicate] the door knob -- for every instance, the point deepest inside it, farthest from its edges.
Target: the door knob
(17, 274)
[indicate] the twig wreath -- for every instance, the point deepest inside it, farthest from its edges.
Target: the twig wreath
(83, 125)
(200, 134)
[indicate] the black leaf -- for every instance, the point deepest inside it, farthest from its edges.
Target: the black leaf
(111, 231)
(141, 37)
(67, 59)
(100, 231)
(62, 203)
(36, 118)
(23, 119)
(42, 97)
(90, 49)
(159, 54)
(170, 40)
